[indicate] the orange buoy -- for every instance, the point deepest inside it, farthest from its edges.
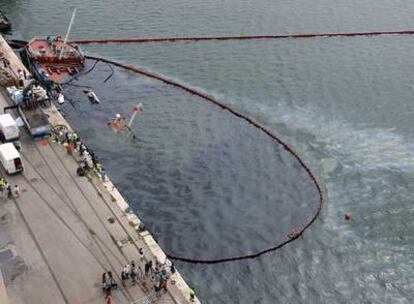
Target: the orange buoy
(293, 233)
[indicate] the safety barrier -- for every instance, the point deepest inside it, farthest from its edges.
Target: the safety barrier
(285, 36)
(298, 231)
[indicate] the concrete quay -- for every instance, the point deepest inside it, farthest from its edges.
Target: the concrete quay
(64, 231)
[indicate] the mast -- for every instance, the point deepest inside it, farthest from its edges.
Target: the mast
(137, 109)
(62, 51)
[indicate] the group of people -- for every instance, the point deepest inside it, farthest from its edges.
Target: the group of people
(52, 43)
(139, 272)
(6, 189)
(146, 270)
(89, 159)
(108, 283)
(21, 73)
(158, 273)
(6, 62)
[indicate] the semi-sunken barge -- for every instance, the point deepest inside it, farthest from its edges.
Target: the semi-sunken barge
(52, 61)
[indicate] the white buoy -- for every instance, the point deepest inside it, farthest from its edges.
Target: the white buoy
(61, 98)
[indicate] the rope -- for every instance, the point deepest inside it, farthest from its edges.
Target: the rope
(111, 74)
(285, 36)
(256, 125)
(81, 74)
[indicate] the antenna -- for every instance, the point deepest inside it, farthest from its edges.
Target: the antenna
(62, 51)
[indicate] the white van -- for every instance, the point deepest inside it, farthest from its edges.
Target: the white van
(8, 128)
(10, 158)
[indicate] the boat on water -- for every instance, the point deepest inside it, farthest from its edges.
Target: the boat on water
(120, 124)
(52, 61)
(5, 24)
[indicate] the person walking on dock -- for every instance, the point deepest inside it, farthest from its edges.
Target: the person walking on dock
(16, 191)
(133, 273)
(127, 270)
(163, 284)
(125, 274)
(6, 63)
(192, 294)
(21, 77)
(77, 143)
(170, 265)
(123, 277)
(68, 136)
(104, 285)
(82, 149)
(2, 185)
(9, 191)
(104, 177)
(148, 268)
(69, 148)
(108, 296)
(111, 281)
(141, 255)
(74, 137)
(140, 273)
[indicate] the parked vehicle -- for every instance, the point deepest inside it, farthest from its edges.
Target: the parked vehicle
(28, 103)
(8, 128)
(10, 158)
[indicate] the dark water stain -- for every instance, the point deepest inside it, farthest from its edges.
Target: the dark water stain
(206, 183)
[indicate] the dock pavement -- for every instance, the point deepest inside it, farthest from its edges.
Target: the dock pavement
(63, 231)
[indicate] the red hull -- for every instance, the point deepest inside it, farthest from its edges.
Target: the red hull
(45, 54)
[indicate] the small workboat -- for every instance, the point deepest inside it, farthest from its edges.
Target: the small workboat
(118, 124)
(121, 124)
(53, 60)
(93, 98)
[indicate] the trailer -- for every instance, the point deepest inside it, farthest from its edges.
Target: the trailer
(28, 103)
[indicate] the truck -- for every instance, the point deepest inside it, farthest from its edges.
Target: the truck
(8, 128)
(10, 158)
(28, 103)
